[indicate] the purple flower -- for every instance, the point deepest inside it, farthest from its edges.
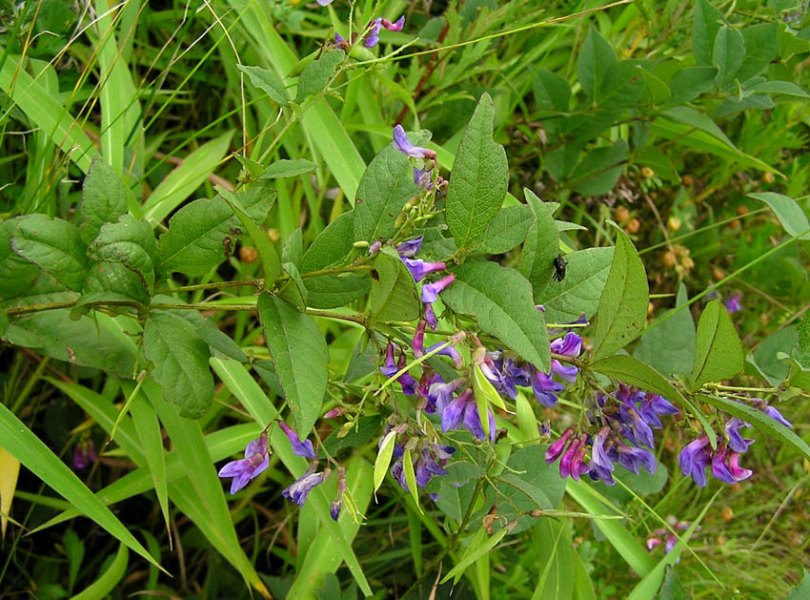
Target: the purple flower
(418, 342)
(599, 456)
(404, 145)
(776, 416)
(654, 405)
(735, 439)
(733, 303)
(431, 291)
(325, 2)
(448, 351)
(635, 428)
(300, 448)
(410, 247)
(570, 345)
(420, 269)
(556, 449)
(334, 509)
(373, 35)
(390, 366)
(464, 410)
(545, 389)
(694, 458)
(453, 412)
(440, 394)
(84, 454)
(430, 317)
(568, 463)
(301, 487)
(472, 421)
(631, 457)
(422, 178)
(256, 460)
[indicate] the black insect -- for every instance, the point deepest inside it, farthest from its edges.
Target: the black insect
(559, 267)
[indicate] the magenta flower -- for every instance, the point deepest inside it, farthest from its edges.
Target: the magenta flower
(404, 145)
(372, 37)
(556, 449)
(299, 490)
(300, 448)
(725, 466)
(256, 460)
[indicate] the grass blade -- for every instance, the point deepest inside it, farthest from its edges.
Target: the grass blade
(109, 579)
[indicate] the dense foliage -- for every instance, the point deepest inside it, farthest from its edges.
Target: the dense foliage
(404, 299)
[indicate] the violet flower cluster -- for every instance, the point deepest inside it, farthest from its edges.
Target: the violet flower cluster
(622, 434)
(257, 459)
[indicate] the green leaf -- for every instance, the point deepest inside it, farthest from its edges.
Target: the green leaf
(556, 554)
(600, 169)
(802, 589)
(769, 356)
(334, 291)
(595, 58)
(507, 230)
(707, 23)
(194, 243)
(147, 426)
(179, 362)
(728, 54)
(689, 116)
(481, 547)
(691, 82)
(46, 111)
(779, 87)
(42, 462)
(393, 294)
(265, 80)
(669, 346)
(551, 92)
(295, 291)
(410, 476)
(542, 245)
(386, 186)
(104, 199)
(54, 246)
(634, 372)
(622, 311)
(317, 74)
(718, 351)
(101, 342)
(614, 530)
(184, 180)
(383, 460)
(199, 494)
(130, 243)
(760, 421)
(332, 246)
(761, 47)
(803, 347)
(300, 355)
(582, 287)
(787, 210)
(501, 300)
(288, 168)
(479, 181)
(271, 263)
(109, 579)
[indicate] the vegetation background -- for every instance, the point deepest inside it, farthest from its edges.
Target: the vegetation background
(673, 119)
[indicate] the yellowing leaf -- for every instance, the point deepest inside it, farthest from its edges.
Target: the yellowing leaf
(9, 470)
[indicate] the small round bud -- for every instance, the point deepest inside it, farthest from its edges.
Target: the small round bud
(621, 214)
(273, 234)
(248, 254)
(633, 226)
(768, 178)
(726, 513)
(669, 259)
(647, 172)
(688, 180)
(742, 210)
(673, 224)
